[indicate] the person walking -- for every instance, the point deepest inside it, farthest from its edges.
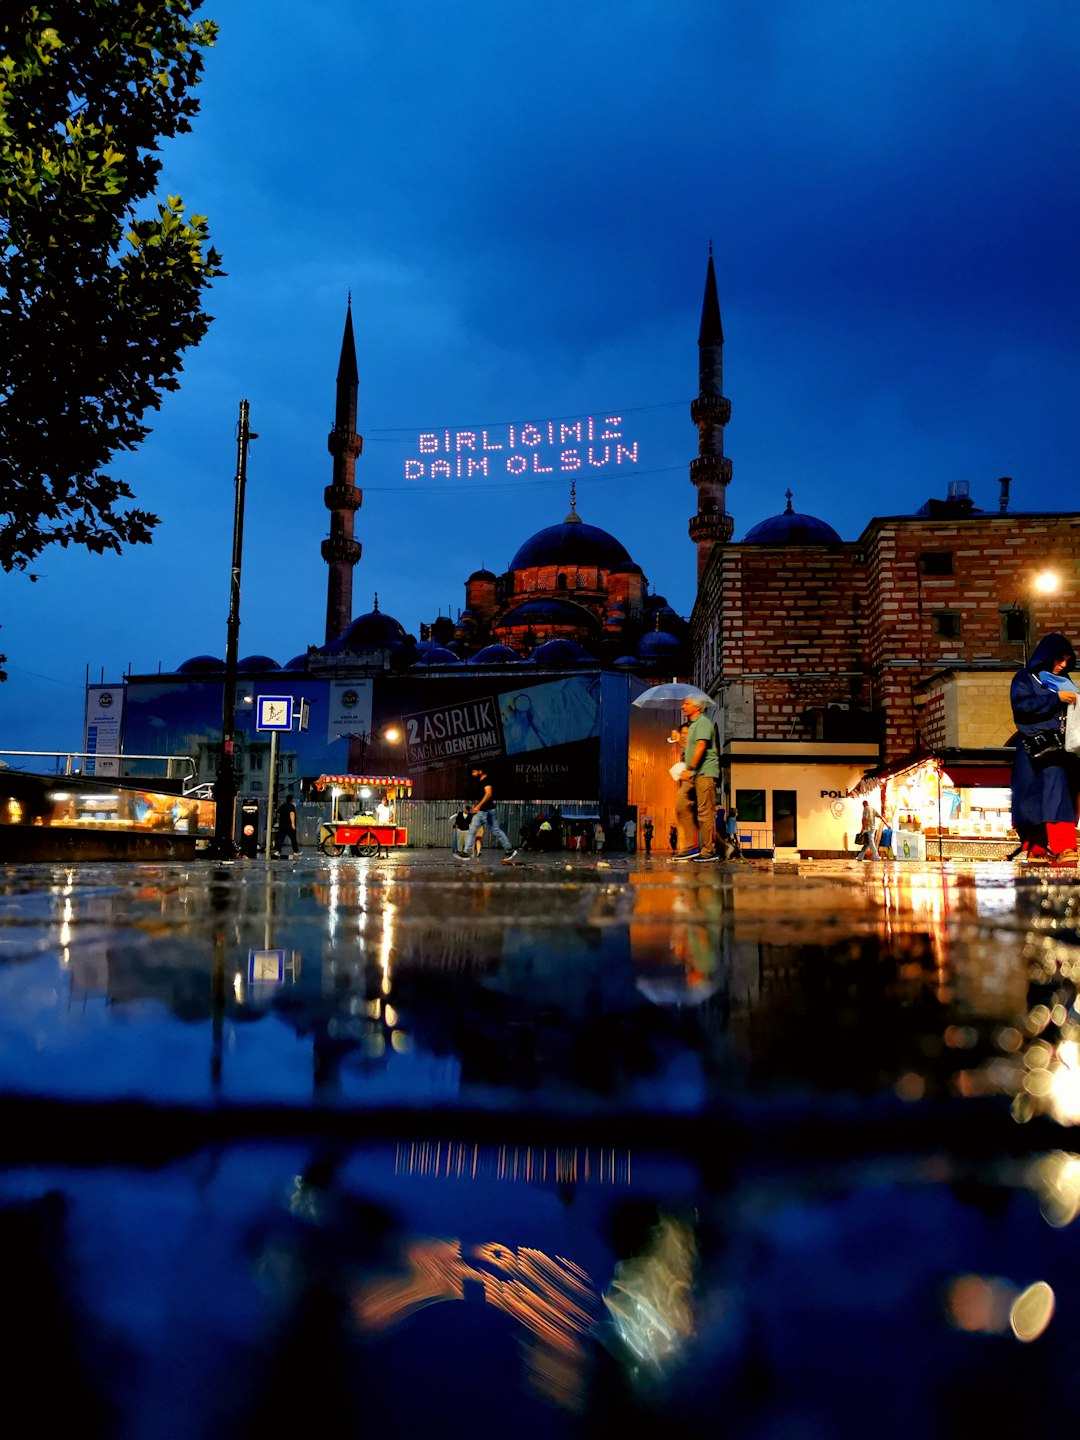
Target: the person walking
(482, 816)
(868, 825)
(598, 837)
(646, 836)
(459, 828)
(1045, 777)
(630, 834)
(695, 804)
(287, 825)
(731, 830)
(673, 839)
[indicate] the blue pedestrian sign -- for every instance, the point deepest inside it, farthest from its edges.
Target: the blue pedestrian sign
(266, 967)
(273, 712)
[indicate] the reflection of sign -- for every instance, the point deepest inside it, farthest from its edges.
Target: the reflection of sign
(470, 730)
(273, 712)
(104, 709)
(266, 967)
(350, 708)
(552, 445)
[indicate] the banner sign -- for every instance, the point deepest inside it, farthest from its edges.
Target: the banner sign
(470, 730)
(552, 446)
(350, 709)
(104, 713)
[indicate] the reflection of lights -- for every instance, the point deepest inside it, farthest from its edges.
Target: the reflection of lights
(979, 1304)
(400, 1042)
(551, 1297)
(391, 1016)
(386, 944)
(649, 1298)
(238, 985)
(1056, 1180)
(59, 795)
(1032, 1311)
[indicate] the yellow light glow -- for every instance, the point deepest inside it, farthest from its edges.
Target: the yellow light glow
(1046, 583)
(1032, 1311)
(392, 734)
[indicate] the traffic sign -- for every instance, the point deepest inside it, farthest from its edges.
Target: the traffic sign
(273, 712)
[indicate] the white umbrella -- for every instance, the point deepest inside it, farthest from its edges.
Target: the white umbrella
(673, 693)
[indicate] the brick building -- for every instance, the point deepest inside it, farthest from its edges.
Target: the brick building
(882, 663)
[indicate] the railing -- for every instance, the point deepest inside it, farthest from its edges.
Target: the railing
(68, 756)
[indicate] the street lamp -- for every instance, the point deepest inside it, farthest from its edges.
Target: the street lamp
(1047, 582)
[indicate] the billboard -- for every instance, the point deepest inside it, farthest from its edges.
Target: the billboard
(101, 733)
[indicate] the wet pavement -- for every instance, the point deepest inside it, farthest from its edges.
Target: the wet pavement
(787, 1149)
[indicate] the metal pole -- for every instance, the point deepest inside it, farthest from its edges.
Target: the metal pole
(271, 803)
(225, 784)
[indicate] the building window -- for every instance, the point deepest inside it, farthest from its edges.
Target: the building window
(256, 759)
(560, 582)
(936, 562)
(1014, 621)
(947, 624)
(750, 805)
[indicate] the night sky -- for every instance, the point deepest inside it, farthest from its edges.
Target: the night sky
(521, 200)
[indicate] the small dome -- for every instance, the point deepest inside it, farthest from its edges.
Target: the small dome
(626, 662)
(373, 631)
(496, 655)
(548, 611)
(482, 575)
(790, 528)
(252, 663)
(200, 663)
(630, 568)
(562, 652)
(437, 655)
(571, 543)
(657, 643)
(298, 662)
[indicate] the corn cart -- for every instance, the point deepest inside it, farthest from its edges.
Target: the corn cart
(363, 815)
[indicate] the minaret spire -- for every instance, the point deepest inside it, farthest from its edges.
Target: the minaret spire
(341, 496)
(710, 412)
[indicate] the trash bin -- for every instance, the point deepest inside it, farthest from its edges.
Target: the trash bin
(249, 829)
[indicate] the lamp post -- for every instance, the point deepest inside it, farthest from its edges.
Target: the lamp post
(1047, 582)
(225, 784)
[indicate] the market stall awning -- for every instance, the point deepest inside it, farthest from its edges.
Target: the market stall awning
(966, 768)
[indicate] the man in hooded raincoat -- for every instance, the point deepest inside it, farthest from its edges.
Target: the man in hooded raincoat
(1044, 794)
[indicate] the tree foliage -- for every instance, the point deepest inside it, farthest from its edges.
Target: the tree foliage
(97, 304)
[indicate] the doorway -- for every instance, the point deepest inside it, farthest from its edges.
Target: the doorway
(785, 828)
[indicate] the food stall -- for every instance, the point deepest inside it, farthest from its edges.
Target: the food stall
(363, 814)
(948, 804)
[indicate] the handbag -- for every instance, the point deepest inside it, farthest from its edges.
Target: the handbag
(860, 838)
(1043, 746)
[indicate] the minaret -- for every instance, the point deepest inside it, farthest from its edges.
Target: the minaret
(710, 412)
(341, 496)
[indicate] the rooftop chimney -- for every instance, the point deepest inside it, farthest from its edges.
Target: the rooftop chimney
(1003, 503)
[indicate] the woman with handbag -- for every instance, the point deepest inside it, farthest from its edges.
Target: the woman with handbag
(1045, 777)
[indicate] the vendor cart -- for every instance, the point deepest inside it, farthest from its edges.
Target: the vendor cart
(358, 819)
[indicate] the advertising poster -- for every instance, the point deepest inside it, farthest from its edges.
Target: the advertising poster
(104, 713)
(349, 708)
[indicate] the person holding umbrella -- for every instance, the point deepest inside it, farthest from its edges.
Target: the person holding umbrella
(697, 787)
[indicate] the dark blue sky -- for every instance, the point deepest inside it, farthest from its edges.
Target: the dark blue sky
(520, 199)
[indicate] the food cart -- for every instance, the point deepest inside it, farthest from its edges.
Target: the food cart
(355, 823)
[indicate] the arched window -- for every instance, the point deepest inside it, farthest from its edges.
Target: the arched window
(560, 581)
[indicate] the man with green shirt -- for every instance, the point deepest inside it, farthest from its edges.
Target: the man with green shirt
(697, 787)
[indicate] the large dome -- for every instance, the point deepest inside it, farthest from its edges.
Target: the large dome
(571, 543)
(791, 528)
(548, 610)
(374, 631)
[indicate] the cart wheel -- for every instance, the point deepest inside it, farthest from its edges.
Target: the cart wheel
(330, 847)
(367, 845)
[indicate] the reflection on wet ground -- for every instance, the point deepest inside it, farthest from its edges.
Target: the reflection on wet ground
(578, 1145)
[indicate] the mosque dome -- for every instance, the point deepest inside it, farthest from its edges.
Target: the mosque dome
(626, 662)
(298, 662)
(571, 543)
(548, 610)
(791, 528)
(251, 664)
(562, 652)
(200, 663)
(496, 655)
(437, 655)
(374, 631)
(482, 575)
(658, 643)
